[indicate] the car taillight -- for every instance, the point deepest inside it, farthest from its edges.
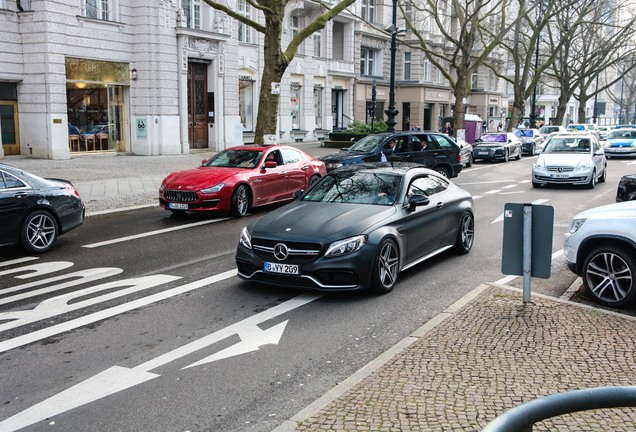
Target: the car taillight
(71, 189)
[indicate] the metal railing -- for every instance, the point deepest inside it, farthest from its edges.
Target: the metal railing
(522, 417)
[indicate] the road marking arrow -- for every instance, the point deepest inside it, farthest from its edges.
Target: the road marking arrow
(117, 378)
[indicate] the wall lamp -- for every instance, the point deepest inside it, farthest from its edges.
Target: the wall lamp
(133, 74)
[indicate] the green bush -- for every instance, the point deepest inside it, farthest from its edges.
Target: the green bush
(359, 127)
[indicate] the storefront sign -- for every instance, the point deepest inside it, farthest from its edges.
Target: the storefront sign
(142, 133)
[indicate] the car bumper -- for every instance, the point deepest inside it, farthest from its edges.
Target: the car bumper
(527, 147)
(620, 151)
(573, 177)
(346, 273)
(199, 206)
(570, 248)
(490, 153)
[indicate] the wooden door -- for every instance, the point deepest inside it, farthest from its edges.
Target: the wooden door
(9, 127)
(198, 105)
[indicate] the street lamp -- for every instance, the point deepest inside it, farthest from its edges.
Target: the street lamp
(391, 112)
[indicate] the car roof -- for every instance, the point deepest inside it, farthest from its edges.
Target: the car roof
(399, 168)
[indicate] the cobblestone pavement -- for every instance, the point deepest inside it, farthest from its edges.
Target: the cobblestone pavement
(490, 355)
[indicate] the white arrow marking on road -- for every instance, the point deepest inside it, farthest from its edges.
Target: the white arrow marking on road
(151, 233)
(501, 216)
(16, 261)
(251, 340)
(38, 269)
(117, 378)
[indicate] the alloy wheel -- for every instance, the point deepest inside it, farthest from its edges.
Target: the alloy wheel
(609, 277)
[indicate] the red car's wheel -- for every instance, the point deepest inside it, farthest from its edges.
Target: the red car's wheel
(240, 204)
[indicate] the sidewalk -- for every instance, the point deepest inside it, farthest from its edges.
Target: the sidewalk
(477, 359)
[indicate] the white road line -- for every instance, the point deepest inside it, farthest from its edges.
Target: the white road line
(493, 192)
(513, 192)
(510, 186)
(485, 182)
(107, 313)
(501, 216)
(513, 277)
(17, 261)
(151, 233)
(525, 181)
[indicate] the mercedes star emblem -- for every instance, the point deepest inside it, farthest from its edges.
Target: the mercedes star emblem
(280, 251)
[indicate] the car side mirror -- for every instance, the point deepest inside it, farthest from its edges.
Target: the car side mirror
(270, 164)
(298, 192)
(417, 200)
(344, 149)
(203, 162)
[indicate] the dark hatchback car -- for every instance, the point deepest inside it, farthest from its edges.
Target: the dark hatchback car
(441, 154)
(358, 228)
(34, 211)
(626, 190)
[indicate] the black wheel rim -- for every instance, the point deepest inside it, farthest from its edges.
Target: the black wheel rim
(609, 278)
(41, 232)
(467, 232)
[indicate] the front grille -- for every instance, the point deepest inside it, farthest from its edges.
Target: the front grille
(298, 252)
(180, 196)
(560, 168)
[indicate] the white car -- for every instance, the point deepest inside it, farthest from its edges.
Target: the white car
(585, 127)
(547, 131)
(570, 158)
(601, 248)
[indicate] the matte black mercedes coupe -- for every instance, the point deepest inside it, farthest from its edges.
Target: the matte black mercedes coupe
(358, 228)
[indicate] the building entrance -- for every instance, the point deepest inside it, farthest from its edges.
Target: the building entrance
(9, 127)
(198, 105)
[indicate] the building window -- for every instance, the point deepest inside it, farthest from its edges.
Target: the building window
(98, 9)
(295, 105)
(192, 10)
(407, 65)
(408, 9)
(367, 61)
(296, 25)
(318, 106)
(474, 81)
(368, 10)
(337, 41)
(246, 103)
(244, 31)
(426, 73)
(318, 44)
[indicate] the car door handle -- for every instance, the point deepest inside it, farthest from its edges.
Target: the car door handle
(20, 195)
(439, 205)
(305, 168)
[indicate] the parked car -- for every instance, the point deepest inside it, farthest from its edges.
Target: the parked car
(603, 132)
(546, 131)
(442, 154)
(601, 248)
(621, 142)
(240, 178)
(570, 158)
(358, 228)
(499, 145)
(465, 152)
(531, 140)
(34, 211)
(626, 190)
(585, 128)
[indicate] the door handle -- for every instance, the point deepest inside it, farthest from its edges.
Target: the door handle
(439, 205)
(20, 194)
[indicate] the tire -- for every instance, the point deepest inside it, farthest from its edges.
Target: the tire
(592, 183)
(465, 234)
(39, 232)
(386, 267)
(470, 161)
(443, 171)
(534, 150)
(602, 178)
(312, 181)
(535, 184)
(240, 203)
(506, 155)
(519, 154)
(608, 276)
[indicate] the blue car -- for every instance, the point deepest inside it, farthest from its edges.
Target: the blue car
(621, 142)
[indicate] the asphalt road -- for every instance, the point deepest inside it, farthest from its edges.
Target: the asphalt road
(149, 339)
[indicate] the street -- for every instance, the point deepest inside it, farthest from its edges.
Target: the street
(136, 320)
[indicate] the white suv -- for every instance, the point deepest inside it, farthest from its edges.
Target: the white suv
(601, 248)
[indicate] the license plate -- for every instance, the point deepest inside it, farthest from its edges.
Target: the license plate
(561, 175)
(177, 206)
(291, 269)
(482, 152)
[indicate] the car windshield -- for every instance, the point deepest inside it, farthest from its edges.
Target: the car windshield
(494, 138)
(359, 187)
(368, 144)
(568, 145)
(622, 134)
(548, 129)
(235, 159)
(523, 132)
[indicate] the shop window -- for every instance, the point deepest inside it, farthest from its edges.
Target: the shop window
(318, 106)
(295, 105)
(246, 104)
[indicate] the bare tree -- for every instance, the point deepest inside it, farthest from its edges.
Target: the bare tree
(624, 95)
(276, 59)
(470, 31)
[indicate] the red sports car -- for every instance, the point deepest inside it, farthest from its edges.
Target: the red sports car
(239, 178)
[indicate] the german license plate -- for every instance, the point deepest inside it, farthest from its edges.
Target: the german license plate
(482, 152)
(561, 175)
(291, 269)
(177, 206)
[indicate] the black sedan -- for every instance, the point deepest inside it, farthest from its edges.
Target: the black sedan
(500, 145)
(35, 211)
(358, 228)
(626, 190)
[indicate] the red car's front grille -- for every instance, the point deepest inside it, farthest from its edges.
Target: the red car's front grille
(180, 196)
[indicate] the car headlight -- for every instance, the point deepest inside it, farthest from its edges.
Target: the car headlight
(538, 164)
(346, 246)
(576, 224)
(584, 165)
(213, 189)
(334, 165)
(246, 238)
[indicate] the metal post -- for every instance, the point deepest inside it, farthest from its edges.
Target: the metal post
(391, 112)
(533, 109)
(373, 102)
(620, 113)
(527, 251)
